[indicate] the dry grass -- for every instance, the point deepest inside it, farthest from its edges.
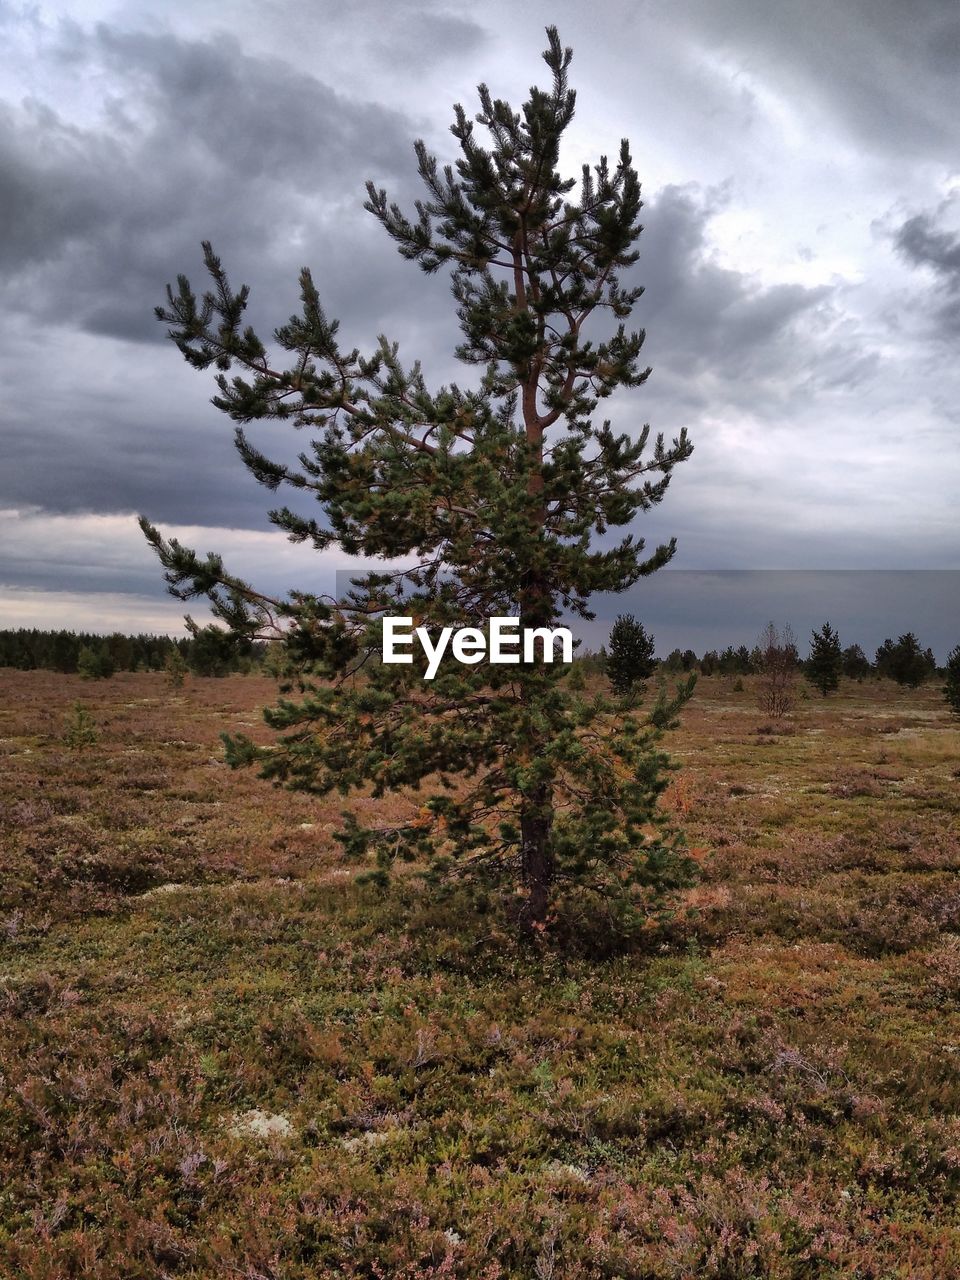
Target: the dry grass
(222, 1057)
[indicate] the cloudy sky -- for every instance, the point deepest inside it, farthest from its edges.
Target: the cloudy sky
(801, 259)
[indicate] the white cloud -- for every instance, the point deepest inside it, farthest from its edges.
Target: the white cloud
(100, 612)
(108, 561)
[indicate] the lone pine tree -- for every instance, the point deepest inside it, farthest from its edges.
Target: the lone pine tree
(496, 493)
(825, 664)
(630, 657)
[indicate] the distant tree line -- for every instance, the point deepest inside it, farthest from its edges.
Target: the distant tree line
(213, 652)
(903, 660)
(208, 652)
(775, 660)
(631, 648)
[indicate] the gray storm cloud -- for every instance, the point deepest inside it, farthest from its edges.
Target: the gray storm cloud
(805, 353)
(925, 244)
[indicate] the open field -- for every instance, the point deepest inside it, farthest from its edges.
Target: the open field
(221, 1057)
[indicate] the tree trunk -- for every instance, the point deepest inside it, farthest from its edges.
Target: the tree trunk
(536, 819)
(536, 610)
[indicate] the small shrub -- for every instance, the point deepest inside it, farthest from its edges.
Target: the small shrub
(776, 693)
(175, 668)
(80, 732)
(94, 664)
(856, 783)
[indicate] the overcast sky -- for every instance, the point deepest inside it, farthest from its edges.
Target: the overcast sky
(801, 259)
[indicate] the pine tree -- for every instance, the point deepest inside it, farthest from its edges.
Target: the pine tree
(951, 690)
(856, 664)
(95, 663)
(826, 660)
(630, 659)
(175, 668)
(576, 681)
(80, 731)
(213, 651)
(498, 493)
(905, 661)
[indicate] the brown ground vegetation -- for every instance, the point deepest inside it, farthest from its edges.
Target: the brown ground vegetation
(222, 1057)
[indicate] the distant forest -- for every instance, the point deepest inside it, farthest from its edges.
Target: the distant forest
(212, 652)
(209, 653)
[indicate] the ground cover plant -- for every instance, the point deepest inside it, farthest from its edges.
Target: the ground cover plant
(221, 1056)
